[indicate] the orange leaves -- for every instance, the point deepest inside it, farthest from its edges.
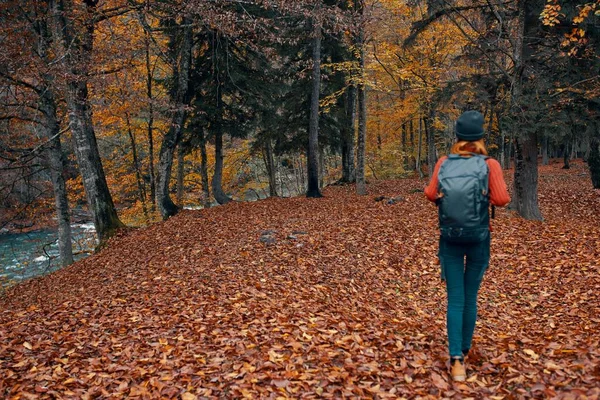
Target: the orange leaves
(197, 307)
(551, 13)
(551, 16)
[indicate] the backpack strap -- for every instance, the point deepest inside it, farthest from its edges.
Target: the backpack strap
(455, 156)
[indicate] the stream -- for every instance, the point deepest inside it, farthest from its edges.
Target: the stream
(26, 255)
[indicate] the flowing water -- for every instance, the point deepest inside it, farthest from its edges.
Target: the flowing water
(25, 255)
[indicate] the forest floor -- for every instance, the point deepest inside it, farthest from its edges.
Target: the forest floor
(308, 298)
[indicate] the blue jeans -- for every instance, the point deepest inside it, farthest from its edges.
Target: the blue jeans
(462, 285)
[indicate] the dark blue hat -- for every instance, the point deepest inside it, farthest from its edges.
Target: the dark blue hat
(469, 126)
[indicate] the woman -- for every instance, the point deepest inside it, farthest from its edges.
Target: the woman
(463, 279)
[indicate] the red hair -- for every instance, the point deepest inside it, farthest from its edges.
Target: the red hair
(464, 147)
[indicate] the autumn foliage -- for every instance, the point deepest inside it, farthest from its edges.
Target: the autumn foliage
(343, 301)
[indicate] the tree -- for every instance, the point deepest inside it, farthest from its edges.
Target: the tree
(577, 92)
(347, 133)
(525, 195)
(312, 165)
(362, 103)
(594, 163)
(74, 37)
(46, 120)
(180, 44)
(56, 164)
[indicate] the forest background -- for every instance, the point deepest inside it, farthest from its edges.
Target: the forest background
(115, 107)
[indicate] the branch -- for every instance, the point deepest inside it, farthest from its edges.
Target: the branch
(20, 82)
(560, 91)
(41, 145)
(110, 13)
(29, 152)
(421, 25)
(474, 43)
(111, 71)
(25, 119)
(383, 66)
(148, 30)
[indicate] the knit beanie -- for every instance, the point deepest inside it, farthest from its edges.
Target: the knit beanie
(469, 126)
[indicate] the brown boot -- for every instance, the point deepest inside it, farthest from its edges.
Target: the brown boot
(458, 370)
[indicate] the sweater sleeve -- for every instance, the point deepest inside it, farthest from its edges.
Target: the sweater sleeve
(498, 193)
(432, 188)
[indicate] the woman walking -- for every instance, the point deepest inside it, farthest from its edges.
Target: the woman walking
(463, 184)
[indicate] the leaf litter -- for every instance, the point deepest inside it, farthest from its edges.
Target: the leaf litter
(353, 307)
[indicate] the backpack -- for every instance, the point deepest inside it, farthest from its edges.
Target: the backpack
(463, 209)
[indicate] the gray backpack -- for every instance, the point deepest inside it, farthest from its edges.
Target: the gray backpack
(463, 208)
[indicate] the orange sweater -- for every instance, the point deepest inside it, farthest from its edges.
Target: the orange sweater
(498, 193)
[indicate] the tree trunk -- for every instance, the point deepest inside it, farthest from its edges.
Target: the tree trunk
(180, 174)
(54, 155)
(510, 154)
(204, 171)
(149, 80)
(312, 162)
(361, 188)
(270, 166)
(431, 156)
(545, 139)
(56, 165)
(404, 150)
(166, 206)
(490, 123)
(136, 167)
(412, 158)
(566, 154)
(594, 162)
(217, 180)
(503, 146)
(420, 145)
(587, 146)
(77, 49)
(348, 132)
(525, 196)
